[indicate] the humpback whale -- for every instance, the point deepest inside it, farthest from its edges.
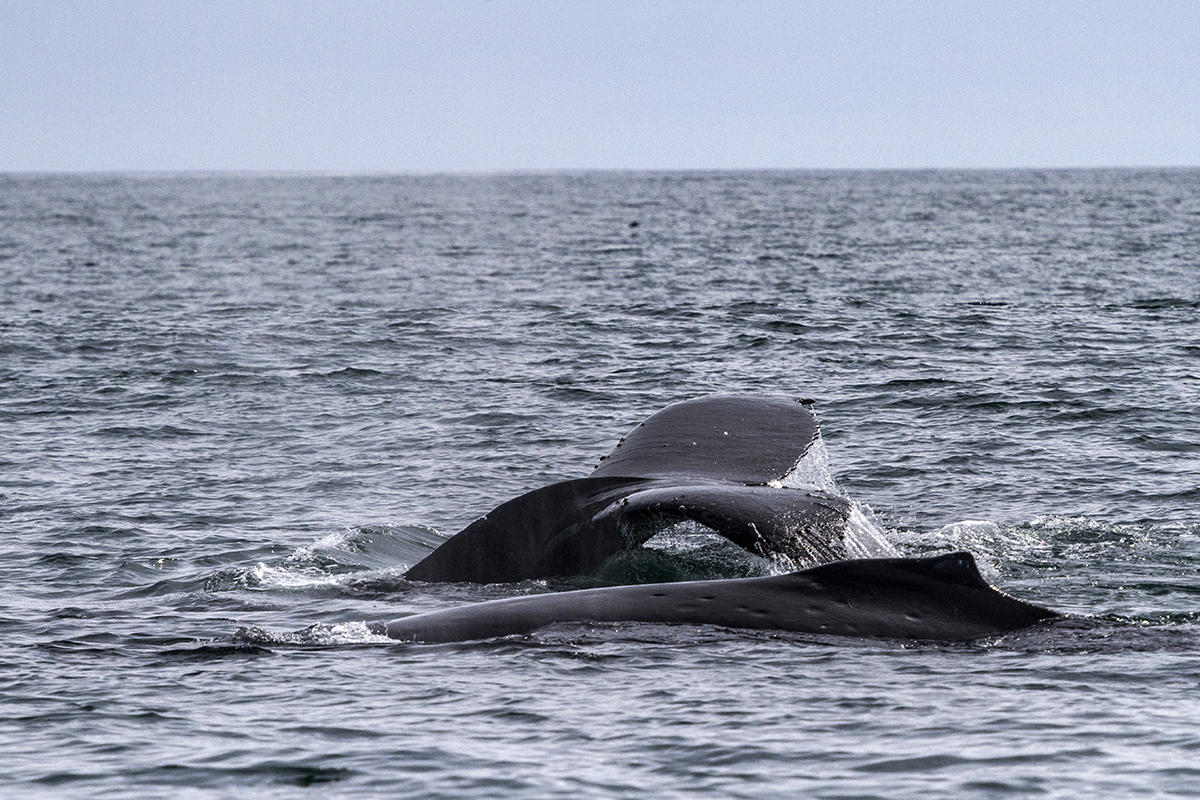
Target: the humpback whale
(720, 461)
(724, 461)
(942, 597)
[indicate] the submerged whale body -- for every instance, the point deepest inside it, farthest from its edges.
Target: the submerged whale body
(942, 598)
(716, 460)
(722, 461)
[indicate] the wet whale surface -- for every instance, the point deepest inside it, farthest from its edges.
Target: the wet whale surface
(943, 598)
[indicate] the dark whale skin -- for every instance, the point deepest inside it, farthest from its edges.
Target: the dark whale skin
(939, 598)
(716, 460)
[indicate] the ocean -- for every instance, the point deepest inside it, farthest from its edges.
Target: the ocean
(234, 409)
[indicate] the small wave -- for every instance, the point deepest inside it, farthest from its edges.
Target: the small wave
(1125, 547)
(1087, 529)
(264, 577)
(1160, 303)
(987, 534)
(371, 546)
(351, 372)
(368, 560)
(147, 432)
(615, 249)
(1094, 635)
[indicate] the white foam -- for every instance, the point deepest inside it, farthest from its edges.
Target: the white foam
(288, 577)
(344, 633)
(334, 541)
(865, 536)
(265, 576)
(321, 635)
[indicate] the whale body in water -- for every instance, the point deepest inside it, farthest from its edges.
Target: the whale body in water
(725, 462)
(943, 598)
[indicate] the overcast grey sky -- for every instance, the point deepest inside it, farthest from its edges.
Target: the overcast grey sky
(483, 85)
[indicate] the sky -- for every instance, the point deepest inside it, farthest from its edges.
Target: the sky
(526, 85)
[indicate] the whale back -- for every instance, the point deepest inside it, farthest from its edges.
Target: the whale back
(937, 598)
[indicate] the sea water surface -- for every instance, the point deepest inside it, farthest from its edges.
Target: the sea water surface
(234, 408)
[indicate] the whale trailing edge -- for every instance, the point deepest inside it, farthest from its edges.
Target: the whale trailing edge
(715, 460)
(938, 598)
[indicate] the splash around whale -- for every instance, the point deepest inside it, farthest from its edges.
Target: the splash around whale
(723, 461)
